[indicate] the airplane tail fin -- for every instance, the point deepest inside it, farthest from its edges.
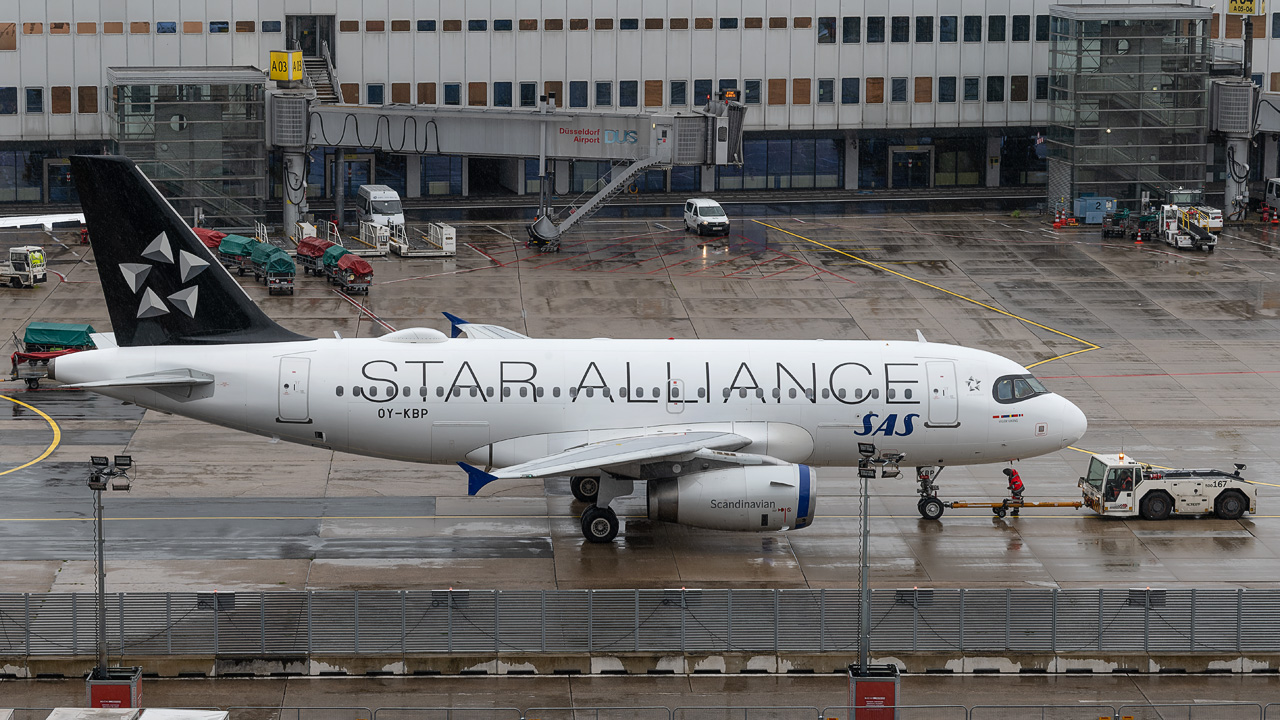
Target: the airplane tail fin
(162, 285)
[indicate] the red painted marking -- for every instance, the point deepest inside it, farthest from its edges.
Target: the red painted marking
(365, 310)
(793, 267)
(695, 272)
(593, 262)
(753, 267)
(655, 257)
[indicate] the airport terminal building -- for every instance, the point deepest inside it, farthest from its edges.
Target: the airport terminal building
(841, 94)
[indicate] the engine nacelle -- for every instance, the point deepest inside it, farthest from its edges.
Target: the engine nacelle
(747, 497)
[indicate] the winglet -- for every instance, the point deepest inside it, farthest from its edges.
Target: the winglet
(454, 323)
(920, 336)
(476, 478)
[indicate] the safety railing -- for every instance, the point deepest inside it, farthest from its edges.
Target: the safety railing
(651, 712)
(1099, 623)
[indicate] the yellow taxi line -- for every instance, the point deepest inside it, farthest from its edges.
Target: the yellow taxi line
(57, 435)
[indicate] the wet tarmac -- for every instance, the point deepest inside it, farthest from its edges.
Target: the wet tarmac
(1176, 364)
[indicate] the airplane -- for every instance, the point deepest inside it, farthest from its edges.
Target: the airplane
(720, 434)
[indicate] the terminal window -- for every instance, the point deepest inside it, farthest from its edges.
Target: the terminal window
(192, 27)
(88, 97)
(426, 26)
(679, 23)
(426, 93)
(8, 101)
(528, 25)
(348, 26)
(477, 25)
(801, 23)
(453, 93)
(578, 93)
(60, 100)
(826, 91)
(502, 26)
(35, 100)
(924, 29)
(971, 89)
(396, 26)
(528, 94)
(400, 93)
(59, 28)
(247, 26)
(924, 89)
(852, 30)
(900, 29)
(604, 23)
(502, 94)
(751, 92)
(995, 28)
(731, 23)
(1275, 25)
(679, 96)
(374, 93)
(973, 28)
(703, 23)
(898, 90)
(1042, 87)
(875, 29)
(477, 94)
(849, 90)
(947, 89)
(270, 26)
(826, 30)
(1021, 28)
(8, 36)
(701, 92)
(875, 90)
(219, 26)
(628, 23)
(628, 93)
(947, 25)
(653, 93)
(110, 28)
(553, 24)
(35, 28)
(1042, 28)
(139, 28)
(1018, 88)
(753, 23)
(166, 28)
(451, 26)
(995, 88)
(777, 91)
(577, 23)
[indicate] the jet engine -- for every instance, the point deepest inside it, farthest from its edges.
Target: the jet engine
(750, 497)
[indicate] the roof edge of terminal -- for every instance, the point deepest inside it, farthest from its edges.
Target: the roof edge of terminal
(188, 75)
(1156, 11)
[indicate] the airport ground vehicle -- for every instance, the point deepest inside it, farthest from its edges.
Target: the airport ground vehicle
(352, 273)
(706, 216)
(380, 205)
(310, 251)
(23, 266)
(1116, 224)
(43, 341)
(274, 267)
(1118, 486)
(235, 252)
(1186, 222)
(1142, 228)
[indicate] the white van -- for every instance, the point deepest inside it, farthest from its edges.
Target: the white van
(705, 216)
(380, 205)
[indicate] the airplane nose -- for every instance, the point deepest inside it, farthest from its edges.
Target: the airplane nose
(1074, 423)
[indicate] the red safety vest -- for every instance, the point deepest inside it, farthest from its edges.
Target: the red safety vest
(1015, 482)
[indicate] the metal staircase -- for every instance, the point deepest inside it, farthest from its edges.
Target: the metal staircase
(318, 74)
(545, 232)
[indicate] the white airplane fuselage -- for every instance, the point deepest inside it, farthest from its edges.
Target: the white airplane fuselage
(504, 402)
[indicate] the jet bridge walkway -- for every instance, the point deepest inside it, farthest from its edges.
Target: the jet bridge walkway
(711, 135)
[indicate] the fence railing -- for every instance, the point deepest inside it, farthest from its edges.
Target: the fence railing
(606, 622)
(1162, 711)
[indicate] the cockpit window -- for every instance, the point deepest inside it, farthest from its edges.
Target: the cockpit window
(1016, 388)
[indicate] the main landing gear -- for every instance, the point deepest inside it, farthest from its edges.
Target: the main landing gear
(600, 523)
(930, 506)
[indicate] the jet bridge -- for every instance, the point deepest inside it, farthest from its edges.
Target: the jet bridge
(639, 141)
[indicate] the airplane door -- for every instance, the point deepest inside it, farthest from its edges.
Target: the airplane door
(675, 396)
(944, 402)
(294, 376)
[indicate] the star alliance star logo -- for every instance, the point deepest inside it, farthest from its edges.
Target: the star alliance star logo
(974, 384)
(161, 251)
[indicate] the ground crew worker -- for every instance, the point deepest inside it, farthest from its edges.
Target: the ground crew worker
(1015, 487)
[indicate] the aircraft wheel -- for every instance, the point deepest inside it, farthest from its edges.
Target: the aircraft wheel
(931, 508)
(999, 512)
(585, 488)
(1156, 506)
(1230, 505)
(599, 525)
(34, 383)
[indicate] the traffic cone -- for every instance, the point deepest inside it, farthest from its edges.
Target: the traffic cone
(1266, 214)
(1275, 217)
(1057, 219)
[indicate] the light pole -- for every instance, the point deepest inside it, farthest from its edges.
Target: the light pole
(871, 688)
(104, 473)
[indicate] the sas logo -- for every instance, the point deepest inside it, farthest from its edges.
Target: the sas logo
(888, 426)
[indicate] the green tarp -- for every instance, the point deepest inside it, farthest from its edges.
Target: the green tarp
(278, 263)
(262, 251)
(59, 334)
(330, 257)
(237, 245)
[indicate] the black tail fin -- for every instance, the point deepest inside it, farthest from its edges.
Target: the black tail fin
(162, 285)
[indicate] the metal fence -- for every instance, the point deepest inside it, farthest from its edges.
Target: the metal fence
(602, 622)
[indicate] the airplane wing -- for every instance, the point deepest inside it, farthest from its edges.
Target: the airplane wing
(45, 221)
(178, 377)
(480, 331)
(609, 453)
